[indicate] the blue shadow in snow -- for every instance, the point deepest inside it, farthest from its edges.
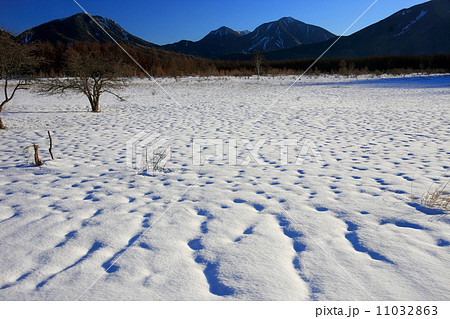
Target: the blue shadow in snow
(109, 265)
(408, 82)
(353, 238)
(401, 223)
(443, 243)
(96, 246)
(426, 210)
(258, 207)
(195, 244)
(211, 272)
(68, 236)
(24, 276)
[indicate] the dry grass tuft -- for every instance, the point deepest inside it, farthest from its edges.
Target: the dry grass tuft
(437, 197)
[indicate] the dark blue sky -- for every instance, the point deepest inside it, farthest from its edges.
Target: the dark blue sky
(169, 21)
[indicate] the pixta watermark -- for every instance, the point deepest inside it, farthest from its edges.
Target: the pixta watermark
(153, 151)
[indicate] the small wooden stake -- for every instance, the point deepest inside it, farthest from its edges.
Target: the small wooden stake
(37, 161)
(51, 145)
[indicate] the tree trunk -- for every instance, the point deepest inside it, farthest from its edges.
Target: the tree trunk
(2, 126)
(95, 104)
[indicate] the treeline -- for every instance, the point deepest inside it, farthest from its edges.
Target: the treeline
(398, 64)
(158, 63)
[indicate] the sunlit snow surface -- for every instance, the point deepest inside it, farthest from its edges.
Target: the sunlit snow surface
(346, 230)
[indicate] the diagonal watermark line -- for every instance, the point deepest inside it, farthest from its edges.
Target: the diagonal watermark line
(314, 63)
(320, 246)
(137, 63)
(143, 233)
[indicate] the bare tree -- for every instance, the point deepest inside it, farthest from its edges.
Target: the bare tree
(258, 58)
(16, 66)
(93, 70)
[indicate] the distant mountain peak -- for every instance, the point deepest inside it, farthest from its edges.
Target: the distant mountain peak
(288, 20)
(218, 36)
(80, 28)
(222, 31)
(284, 33)
(418, 30)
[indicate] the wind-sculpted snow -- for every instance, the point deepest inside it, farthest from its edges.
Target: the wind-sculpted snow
(351, 227)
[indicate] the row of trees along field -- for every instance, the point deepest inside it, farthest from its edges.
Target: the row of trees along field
(398, 64)
(161, 63)
(92, 69)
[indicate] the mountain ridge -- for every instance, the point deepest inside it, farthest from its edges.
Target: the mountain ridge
(80, 28)
(418, 30)
(421, 29)
(284, 33)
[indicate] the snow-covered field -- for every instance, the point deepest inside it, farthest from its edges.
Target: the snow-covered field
(87, 227)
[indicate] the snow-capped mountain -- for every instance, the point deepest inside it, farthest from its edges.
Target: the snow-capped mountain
(213, 44)
(421, 29)
(244, 32)
(81, 28)
(284, 33)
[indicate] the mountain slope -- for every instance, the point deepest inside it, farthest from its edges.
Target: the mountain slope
(4, 33)
(284, 33)
(421, 29)
(81, 28)
(214, 43)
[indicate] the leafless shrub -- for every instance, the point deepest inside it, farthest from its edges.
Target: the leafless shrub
(93, 70)
(156, 163)
(158, 158)
(16, 62)
(258, 58)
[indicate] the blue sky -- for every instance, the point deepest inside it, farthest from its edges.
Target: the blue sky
(168, 21)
